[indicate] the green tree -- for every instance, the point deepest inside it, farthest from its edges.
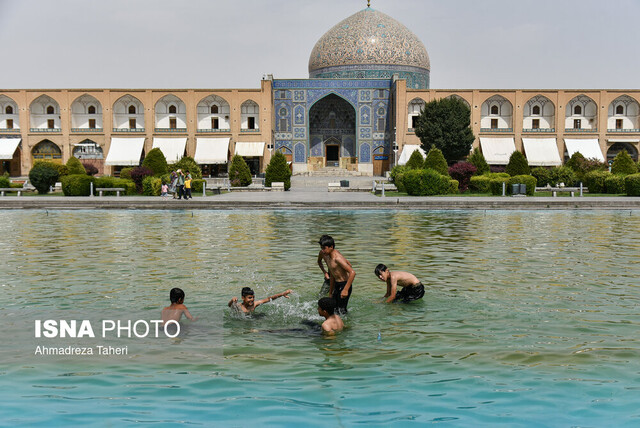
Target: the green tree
(43, 176)
(623, 164)
(416, 161)
(188, 164)
(517, 165)
(445, 123)
(239, 173)
(436, 161)
(74, 166)
(278, 170)
(478, 160)
(156, 162)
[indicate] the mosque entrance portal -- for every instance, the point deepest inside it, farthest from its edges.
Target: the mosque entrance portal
(332, 129)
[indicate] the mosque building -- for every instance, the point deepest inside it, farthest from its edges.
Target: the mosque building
(355, 114)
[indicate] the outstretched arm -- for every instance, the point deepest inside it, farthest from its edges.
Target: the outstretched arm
(274, 297)
(233, 301)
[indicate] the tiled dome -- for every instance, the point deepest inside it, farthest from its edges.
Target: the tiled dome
(366, 41)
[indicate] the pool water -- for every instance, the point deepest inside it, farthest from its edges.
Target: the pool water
(529, 319)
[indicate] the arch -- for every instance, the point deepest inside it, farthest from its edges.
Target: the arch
(332, 129)
(623, 114)
(213, 113)
(616, 148)
(250, 115)
(458, 97)
(539, 114)
(123, 118)
(581, 113)
(9, 118)
(86, 112)
(44, 113)
(496, 113)
(170, 113)
(535, 110)
(8, 110)
(46, 150)
(132, 109)
(619, 110)
(577, 110)
(414, 109)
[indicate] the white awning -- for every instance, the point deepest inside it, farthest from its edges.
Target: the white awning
(125, 151)
(589, 148)
(8, 147)
(623, 140)
(249, 149)
(497, 151)
(542, 151)
(212, 151)
(407, 151)
(171, 148)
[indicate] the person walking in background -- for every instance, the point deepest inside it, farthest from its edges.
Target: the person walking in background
(180, 184)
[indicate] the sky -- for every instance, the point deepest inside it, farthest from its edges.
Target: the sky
(219, 44)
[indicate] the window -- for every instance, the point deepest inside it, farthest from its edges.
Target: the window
(577, 124)
(51, 124)
(619, 124)
(494, 123)
(214, 109)
(381, 93)
(8, 110)
(173, 123)
(214, 123)
(577, 110)
(283, 94)
(381, 124)
(172, 110)
(535, 124)
(414, 121)
(620, 109)
(132, 123)
(9, 123)
(92, 124)
(536, 110)
(495, 110)
(51, 110)
(332, 123)
(251, 122)
(91, 110)
(132, 109)
(283, 124)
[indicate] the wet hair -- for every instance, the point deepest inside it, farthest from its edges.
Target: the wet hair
(380, 268)
(327, 241)
(247, 291)
(327, 304)
(176, 294)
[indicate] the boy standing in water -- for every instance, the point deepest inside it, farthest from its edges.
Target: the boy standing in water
(340, 274)
(249, 304)
(412, 288)
(174, 311)
(333, 322)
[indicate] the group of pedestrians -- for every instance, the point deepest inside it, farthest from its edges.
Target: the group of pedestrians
(179, 185)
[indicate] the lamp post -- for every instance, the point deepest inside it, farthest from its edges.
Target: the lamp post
(395, 153)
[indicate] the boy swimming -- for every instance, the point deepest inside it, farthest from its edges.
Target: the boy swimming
(249, 304)
(174, 311)
(333, 322)
(412, 288)
(340, 274)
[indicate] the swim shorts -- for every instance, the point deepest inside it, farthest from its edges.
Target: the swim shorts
(341, 304)
(409, 293)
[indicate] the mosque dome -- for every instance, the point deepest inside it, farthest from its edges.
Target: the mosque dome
(371, 45)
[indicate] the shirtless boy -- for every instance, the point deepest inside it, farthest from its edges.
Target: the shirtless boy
(249, 304)
(340, 274)
(333, 322)
(174, 311)
(412, 288)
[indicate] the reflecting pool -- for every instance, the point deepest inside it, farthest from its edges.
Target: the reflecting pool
(529, 319)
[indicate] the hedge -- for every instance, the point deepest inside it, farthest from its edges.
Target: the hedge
(615, 184)
(563, 174)
(113, 182)
(543, 175)
(43, 175)
(151, 186)
(75, 166)
(454, 186)
(496, 185)
(632, 184)
(5, 182)
(528, 180)
(426, 182)
(595, 181)
(196, 185)
(77, 184)
(480, 184)
(397, 174)
(156, 162)
(126, 173)
(517, 165)
(436, 161)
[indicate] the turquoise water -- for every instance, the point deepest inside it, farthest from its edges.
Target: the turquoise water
(529, 319)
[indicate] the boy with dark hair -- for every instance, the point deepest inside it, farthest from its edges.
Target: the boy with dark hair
(340, 274)
(333, 322)
(249, 304)
(174, 311)
(412, 288)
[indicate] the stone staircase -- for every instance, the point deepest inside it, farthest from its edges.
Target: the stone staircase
(332, 171)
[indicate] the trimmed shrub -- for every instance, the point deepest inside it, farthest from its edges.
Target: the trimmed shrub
(5, 182)
(543, 176)
(151, 186)
(477, 159)
(614, 184)
(239, 173)
(156, 162)
(595, 181)
(426, 182)
(480, 184)
(623, 164)
(462, 172)
(62, 169)
(43, 176)
(138, 174)
(196, 184)
(90, 168)
(76, 184)
(435, 160)
(126, 173)
(517, 165)
(527, 180)
(278, 170)
(632, 184)
(187, 164)
(563, 174)
(396, 174)
(74, 166)
(113, 182)
(495, 185)
(453, 186)
(416, 161)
